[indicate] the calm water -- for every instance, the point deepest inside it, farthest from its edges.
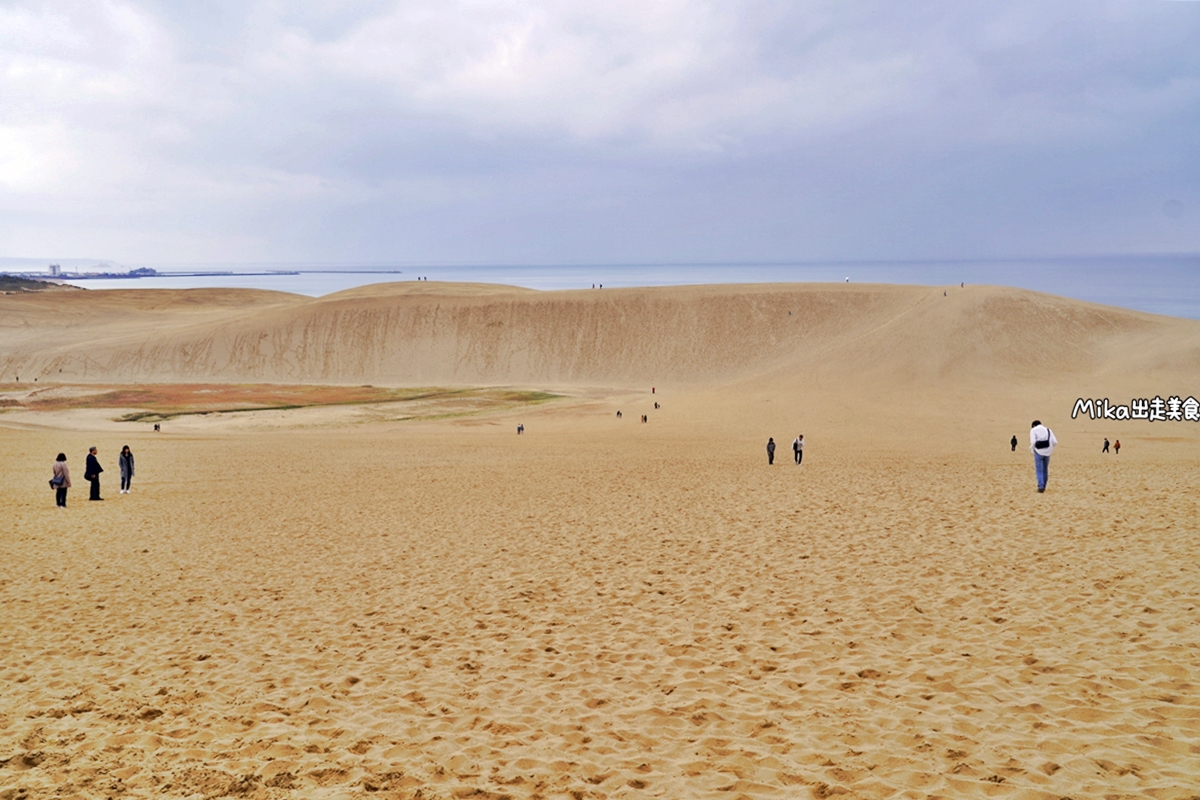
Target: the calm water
(1158, 284)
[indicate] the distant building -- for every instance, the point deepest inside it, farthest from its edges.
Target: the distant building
(143, 272)
(55, 271)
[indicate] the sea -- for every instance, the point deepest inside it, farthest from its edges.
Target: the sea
(1159, 284)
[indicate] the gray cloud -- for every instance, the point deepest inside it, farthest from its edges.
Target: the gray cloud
(681, 130)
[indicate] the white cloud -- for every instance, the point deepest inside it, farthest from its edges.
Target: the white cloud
(160, 117)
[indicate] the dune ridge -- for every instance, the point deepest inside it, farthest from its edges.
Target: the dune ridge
(446, 334)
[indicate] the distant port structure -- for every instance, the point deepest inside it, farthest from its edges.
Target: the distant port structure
(55, 272)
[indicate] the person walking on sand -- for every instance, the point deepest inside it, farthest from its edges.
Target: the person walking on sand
(1105, 449)
(125, 462)
(1014, 443)
(799, 447)
(91, 472)
(1117, 446)
(1041, 444)
(61, 481)
(770, 450)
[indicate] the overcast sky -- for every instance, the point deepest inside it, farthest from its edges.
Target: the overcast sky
(589, 132)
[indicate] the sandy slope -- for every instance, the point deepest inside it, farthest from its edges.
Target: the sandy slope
(602, 608)
(428, 333)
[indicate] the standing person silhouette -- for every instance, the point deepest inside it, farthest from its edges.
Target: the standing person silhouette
(1105, 448)
(1041, 444)
(63, 476)
(1117, 446)
(125, 462)
(771, 450)
(1014, 443)
(91, 472)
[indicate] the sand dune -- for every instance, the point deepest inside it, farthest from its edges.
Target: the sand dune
(311, 605)
(596, 610)
(445, 334)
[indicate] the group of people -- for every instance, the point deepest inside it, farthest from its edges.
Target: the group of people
(797, 449)
(1042, 443)
(61, 479)
(646, 417)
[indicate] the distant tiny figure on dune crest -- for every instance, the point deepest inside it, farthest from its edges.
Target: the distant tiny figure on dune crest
(770, 450)
(656, 406)
(1041, 444)
(1014, 443)
(1105, 448)
(157, 427)
(618, 415)
(520, 428)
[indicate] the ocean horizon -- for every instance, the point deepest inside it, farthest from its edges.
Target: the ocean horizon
(1158, 284)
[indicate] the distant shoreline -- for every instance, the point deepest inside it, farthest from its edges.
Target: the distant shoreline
(147, 273)
(1157, 284)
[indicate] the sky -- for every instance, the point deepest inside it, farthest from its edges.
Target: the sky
(676, 131)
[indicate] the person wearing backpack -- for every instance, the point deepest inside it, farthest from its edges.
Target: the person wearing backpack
(1041, 444)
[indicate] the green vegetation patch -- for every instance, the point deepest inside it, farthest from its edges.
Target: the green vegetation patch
(11, 283)
(160, 402)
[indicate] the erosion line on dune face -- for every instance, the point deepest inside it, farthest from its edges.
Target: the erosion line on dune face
(921, 300)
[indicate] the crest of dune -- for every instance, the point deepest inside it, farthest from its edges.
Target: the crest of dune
(702, 336)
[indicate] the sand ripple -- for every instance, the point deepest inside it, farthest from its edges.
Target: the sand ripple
(409, 615)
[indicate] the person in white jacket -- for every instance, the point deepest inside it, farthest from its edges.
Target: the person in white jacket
(1041, 444)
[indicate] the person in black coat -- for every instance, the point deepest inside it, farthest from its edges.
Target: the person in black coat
(92, 473)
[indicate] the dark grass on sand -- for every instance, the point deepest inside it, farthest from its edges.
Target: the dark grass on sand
(165, 401)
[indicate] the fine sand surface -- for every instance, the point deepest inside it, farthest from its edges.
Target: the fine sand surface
(305, 604)
(433, 334)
